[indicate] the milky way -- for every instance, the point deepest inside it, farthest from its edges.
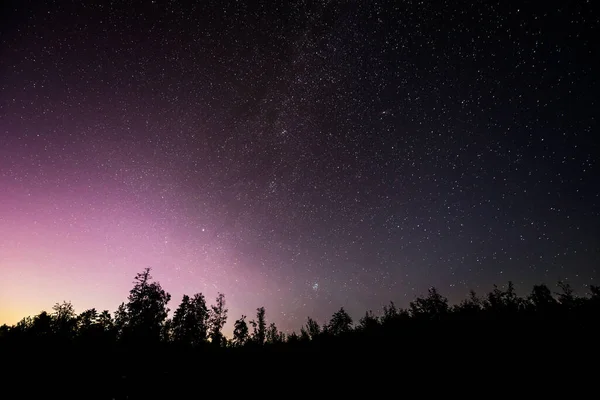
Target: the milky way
(303, 157)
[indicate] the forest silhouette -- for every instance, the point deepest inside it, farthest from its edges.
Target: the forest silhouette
(138, 349)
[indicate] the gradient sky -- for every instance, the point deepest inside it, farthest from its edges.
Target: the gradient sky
(301, 157)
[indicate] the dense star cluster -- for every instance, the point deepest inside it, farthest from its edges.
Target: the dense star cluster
(300, 155)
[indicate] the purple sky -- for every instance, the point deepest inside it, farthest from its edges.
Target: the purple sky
(300, 158)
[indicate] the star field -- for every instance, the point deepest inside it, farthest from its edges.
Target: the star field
(300, 155)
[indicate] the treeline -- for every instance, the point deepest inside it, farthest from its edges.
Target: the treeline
(138, 352)
(143, 320)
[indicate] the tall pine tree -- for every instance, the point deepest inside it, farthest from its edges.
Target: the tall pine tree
(146, 309)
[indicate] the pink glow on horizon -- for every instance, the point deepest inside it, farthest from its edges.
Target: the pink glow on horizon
(87, 249)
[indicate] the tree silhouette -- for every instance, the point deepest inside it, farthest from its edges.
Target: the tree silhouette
(259, 327)
(567, 296)
(504, 303)
(106, 322)
(121, 321)
(542, 300)
(181, 322)
(273, 335)
(200, 314)
(217, 319)
(434, 306)
(494, 300)
(240, 332)
(190, 321)
(513, 303)
(87, 325)
(341, 322)
(369, 322)
(469, 308)
(166, 332)
(146, 309)
(87, 318)
(42, 325)
(392, 316)
(63, 311)
(293, 338)
(594, 294)
(65, 322)
(304, 335)
(312, 328)
(4, 331)
(23, 327)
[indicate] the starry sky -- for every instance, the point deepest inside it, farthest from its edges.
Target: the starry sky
(299, 155)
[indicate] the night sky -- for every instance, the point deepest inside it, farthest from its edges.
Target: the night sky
(301, 155)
